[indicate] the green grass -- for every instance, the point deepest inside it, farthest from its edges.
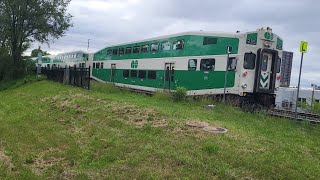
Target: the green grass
(49, 130)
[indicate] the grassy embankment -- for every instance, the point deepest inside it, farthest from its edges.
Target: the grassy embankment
(49, 130)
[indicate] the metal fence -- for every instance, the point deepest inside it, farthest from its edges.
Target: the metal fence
(71, 75)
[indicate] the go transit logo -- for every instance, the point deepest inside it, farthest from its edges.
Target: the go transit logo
(134, 64)
(268, 36)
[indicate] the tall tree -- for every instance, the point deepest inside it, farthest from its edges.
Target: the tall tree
(25, 21)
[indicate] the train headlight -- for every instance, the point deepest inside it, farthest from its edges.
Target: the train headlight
(244, 86)
(267, 44)
(279, 78)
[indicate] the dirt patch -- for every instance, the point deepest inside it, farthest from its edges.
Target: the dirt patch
(6, 161)
(137, 116)
(46, 159)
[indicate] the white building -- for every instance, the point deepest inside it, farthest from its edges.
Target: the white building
(286, 97)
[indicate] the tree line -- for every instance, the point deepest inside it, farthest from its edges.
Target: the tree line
(23, 22)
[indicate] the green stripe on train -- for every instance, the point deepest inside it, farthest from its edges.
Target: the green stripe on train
(193, 46)
(192, 80)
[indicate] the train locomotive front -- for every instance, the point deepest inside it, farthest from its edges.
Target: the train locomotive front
(261, 69)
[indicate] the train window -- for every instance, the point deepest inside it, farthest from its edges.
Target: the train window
(152, 74)
(166, 46)
(249, 61)
(133, 73)
(98, 65)
(121, 51)
(154, 47)
(209, 40)
(94, 65)
(207, 64)
(136, 49)
(101, 65)
(264, 64)
(192, 65)
(109, 52)
(125, 73)
(232, 64)
(115, 51)
(142, 74)
(178, 44)
(128, 50)
(278, 65)
(145, 48)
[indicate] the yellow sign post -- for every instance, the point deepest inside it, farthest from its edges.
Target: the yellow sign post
(303, 49)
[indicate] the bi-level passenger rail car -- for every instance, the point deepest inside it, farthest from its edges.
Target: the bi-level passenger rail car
(75, 58)
(196, 61)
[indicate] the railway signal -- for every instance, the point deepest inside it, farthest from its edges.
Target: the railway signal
(303, 49)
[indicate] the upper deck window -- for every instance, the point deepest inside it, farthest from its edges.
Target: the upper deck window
(249, 61)
(207, 64)
(128, 50)
(115, 52)
(121, 51)
(178, 44)
(154, 47)
(166, 46)
(136, 49)
(145, 48)
(109, 52)
(209, 40)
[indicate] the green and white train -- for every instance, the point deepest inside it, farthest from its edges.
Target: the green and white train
(196, 61)
(75, 58)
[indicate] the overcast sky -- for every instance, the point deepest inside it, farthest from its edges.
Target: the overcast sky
(107, 22)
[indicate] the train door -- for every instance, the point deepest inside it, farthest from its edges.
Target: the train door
(113, 72)
(266, 71)
(169, 76)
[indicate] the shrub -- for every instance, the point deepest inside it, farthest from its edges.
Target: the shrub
(180, 94)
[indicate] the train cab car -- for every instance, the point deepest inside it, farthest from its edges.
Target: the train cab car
(261, 65)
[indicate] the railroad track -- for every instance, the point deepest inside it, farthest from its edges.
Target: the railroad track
(314, 118)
